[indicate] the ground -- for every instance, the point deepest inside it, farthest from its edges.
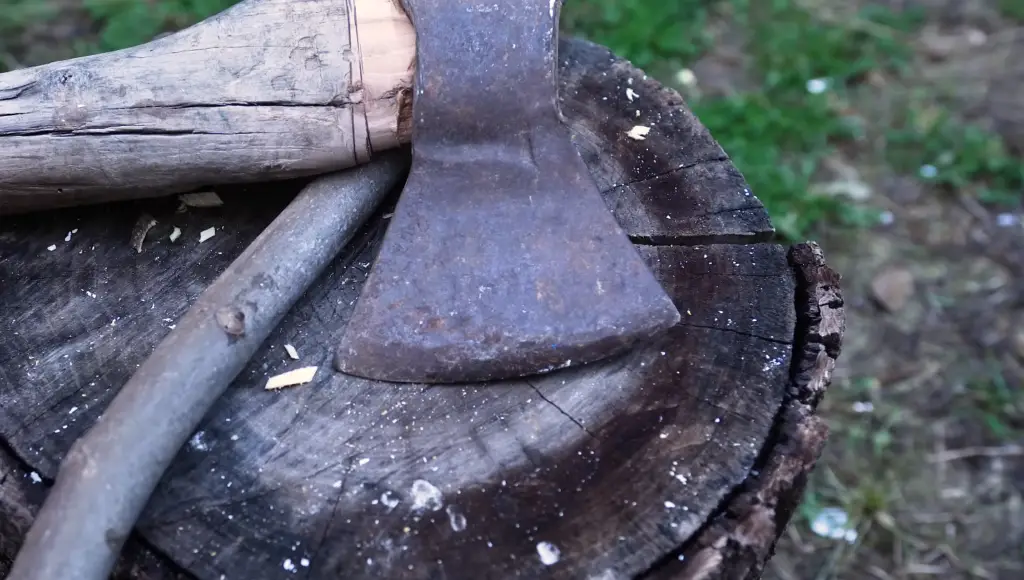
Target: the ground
(893, 133)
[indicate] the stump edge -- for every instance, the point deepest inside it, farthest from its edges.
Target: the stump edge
(739, 539)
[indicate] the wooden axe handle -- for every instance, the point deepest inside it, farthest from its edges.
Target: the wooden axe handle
(266, 90)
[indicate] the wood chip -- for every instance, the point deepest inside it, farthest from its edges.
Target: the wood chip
(291, 378)
(175, 234)
(638, 132)
(631, 94)
(142, 227)
(207, 234)
(201, 199)
(291, 351)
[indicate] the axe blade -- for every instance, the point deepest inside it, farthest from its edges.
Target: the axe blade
(496, 267)
(502, 259)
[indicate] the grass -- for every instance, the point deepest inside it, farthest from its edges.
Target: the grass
(125, 23)
(780, 133)
(1012, 9)
(955, 156)
(809, 67)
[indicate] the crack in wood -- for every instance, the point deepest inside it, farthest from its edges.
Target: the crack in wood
(668, 172)
(562, 411)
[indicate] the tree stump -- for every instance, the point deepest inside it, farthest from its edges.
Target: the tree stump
(682, 459)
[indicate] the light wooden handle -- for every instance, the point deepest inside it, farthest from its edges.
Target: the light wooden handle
(268, 89)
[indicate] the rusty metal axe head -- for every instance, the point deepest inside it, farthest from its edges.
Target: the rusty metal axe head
(502, 259)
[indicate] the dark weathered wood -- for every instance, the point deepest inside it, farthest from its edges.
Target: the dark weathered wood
(104, 483)
(622, 465)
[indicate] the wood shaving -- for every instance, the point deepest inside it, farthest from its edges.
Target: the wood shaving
(207, 234)
(142, 227)
(201, 199)
(291, 351)
(52, 247)
(291, 378)
(175, 234)
(631, 94)
(639, 132)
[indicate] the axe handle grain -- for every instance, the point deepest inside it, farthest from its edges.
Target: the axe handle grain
(109, 474)
(267, 89)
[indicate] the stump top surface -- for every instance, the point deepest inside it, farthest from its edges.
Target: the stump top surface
(606, 471)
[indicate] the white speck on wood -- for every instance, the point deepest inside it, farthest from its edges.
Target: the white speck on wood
(426, 496)
(387, 500)
(52, 247)
(206, 234)
(670, 505)
(201, 199)
(631, 94)
(288, 565)
(198, 441)
(175, 234)
(35, 477)
(549, 553)
(364, 461)
(304, 562)
(291, 378)
(291, 351)
(638, 132)
(141, 229)
(457, 520)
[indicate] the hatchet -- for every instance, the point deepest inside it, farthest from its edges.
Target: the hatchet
(502, 259)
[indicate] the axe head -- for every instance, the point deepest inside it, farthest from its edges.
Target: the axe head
(502, 259)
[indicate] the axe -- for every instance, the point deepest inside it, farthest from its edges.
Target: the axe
(501, 261)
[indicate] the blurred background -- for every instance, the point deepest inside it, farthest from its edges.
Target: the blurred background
(892, 132)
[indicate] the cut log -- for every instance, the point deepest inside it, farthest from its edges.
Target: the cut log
(268, 89)
(682, 459)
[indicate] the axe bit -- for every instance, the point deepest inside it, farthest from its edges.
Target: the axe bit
(502, 259)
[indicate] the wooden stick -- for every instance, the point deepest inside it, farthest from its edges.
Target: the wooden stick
(268, 89)
(109, 474)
